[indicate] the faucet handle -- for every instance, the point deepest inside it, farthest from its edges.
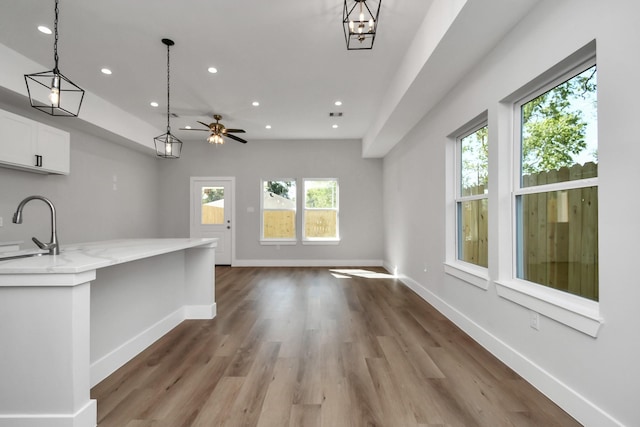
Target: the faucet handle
(40, 244)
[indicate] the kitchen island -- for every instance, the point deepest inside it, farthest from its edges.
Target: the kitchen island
(68, 321)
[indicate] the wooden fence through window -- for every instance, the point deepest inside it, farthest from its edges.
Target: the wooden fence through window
(559, 232)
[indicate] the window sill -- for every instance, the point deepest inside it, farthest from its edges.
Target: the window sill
(278, 242)
(321, 242)
(571, 310)
(473, 275)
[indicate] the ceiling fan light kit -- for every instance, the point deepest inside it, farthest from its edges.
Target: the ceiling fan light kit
(218, 131)
(50, 91)
(360, 23)
(167, 145)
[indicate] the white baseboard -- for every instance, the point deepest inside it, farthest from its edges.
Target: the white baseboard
(307, 263)
(86, 416)
(200, 312)
(568, 399)
(106, 365)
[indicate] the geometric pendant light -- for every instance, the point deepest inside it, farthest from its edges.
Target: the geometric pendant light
(50, 91)
(167, 145)
(360, 23)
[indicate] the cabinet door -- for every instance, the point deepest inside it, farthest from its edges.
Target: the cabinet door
(17, 139)
(53, 147)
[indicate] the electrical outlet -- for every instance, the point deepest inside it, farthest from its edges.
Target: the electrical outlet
(534, 320)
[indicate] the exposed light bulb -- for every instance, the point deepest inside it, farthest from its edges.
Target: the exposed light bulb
(167, 146)
(54, 96)
(361, 16)
(371, 24)
(351, 26)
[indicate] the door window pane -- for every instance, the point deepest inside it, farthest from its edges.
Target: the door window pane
(212, 205)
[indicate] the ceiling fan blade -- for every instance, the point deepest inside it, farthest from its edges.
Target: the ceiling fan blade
(234, 130)
(236, 138)
(204, 124)
(203, 130)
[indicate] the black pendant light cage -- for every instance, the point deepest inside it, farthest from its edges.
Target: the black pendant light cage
(52, 92)
(360, 23)
(168, 145)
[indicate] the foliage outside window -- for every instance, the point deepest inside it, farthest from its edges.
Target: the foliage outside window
(278, 210)
(320, 220)
(472, 198)
(556, 192)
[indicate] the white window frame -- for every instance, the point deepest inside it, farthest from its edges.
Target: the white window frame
(472, 274)
(280, 241)
(320, 240)
(574, 311)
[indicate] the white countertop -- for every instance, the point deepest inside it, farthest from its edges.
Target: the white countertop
(81, 257)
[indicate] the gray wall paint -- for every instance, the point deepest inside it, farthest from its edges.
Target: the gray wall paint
(88, 209)
(591, 377)
(360, 192)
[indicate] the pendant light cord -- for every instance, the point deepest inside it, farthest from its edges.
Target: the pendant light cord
(168, 91)
(55, 40)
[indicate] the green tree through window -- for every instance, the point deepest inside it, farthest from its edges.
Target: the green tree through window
(554, 125)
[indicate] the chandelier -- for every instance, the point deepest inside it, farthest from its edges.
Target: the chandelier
(360, 23)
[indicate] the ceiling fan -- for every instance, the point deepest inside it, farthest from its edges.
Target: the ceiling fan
(218, 130)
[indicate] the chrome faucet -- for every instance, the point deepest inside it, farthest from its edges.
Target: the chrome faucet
(53, 246)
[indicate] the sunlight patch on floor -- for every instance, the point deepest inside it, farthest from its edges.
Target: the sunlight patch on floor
(347, 273)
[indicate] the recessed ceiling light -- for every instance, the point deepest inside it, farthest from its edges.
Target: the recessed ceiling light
(212, 70)
(335, 126)
(255, 103)
(45, 30)
(187, 127)
(106, 71)
(267, 127)
(154, 104)
(337, 103)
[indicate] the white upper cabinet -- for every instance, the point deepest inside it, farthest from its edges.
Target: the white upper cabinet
(30, 145)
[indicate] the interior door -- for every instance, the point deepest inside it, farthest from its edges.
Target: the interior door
(212, 203)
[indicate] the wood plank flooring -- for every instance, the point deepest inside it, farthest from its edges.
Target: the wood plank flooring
(311, 347)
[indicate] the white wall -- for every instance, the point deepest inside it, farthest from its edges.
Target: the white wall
(597, 380)
(360, 194)
(88, 209)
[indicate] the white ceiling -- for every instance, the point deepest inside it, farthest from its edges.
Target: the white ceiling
(289, 55)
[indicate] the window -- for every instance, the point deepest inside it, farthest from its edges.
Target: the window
(278, 205)
(212, 205)
(320, 220)
(556, 188)
(472, 197)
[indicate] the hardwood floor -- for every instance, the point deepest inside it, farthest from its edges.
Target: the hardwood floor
(311, 347)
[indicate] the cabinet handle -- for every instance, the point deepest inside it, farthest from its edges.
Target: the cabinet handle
(38, 161)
